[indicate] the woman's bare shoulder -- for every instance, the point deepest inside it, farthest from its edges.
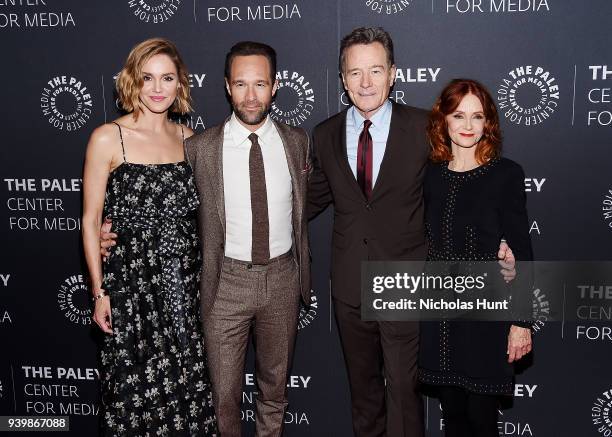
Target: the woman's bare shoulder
(187, 131)
(104, 142)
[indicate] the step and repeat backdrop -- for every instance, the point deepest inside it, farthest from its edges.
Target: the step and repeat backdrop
(548, 63)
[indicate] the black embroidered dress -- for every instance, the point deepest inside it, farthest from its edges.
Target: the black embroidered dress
(154, 375)
(466, 216)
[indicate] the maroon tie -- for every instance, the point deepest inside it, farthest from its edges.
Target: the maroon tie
(364, 160)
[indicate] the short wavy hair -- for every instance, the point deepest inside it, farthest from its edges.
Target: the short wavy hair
(130, 80)
(488, 147)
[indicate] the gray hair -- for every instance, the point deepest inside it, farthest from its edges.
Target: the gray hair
(366, 35)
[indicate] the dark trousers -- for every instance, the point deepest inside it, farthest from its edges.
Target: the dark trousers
(268, 297)
(381, 361)
(468, 414)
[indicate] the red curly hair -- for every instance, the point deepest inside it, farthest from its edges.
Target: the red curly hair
(488, 147)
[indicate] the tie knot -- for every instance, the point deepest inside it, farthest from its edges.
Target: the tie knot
(367, 124)
(253, 137)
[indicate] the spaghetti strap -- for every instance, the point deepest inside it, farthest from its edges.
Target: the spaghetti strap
(184, 145)
(121, 138)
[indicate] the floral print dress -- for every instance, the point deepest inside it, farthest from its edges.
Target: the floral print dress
(154, 375)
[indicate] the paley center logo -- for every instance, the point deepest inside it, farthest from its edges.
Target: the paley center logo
(308, 314)
(600, 413)
(528, 95)
(5, 316)
(387, 7)
(295, 98)
(541, 310)
(73, 300)
(606, 208)
(154, 11)
(66, 102)
(36, 14)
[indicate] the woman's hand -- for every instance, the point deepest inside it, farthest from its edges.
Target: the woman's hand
(519, 343)
(507, 261)
(102, 314)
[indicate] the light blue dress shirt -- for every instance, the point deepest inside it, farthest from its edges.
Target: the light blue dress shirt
(379, 130)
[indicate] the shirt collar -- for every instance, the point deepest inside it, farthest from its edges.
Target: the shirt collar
(380, 119)
(240, 134)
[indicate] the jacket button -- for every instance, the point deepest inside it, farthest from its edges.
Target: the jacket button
(368, 207)
(365, 241)
(249, 266)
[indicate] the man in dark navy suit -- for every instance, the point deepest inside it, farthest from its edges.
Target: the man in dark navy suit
(369, 161)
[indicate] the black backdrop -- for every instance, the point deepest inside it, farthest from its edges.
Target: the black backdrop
(547, 62)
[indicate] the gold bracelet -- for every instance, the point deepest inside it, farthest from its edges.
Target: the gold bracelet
(100, 295)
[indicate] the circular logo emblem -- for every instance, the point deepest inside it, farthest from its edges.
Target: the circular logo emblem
(73, 300)
(600, 413)
(66, 103)
(294, 100)
(387, 7)
(308, 314)
(607, 208)
(528, 95)
(541, 310)
(154, 11)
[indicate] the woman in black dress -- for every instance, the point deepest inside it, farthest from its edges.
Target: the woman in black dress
(154, 375)
(473, 198)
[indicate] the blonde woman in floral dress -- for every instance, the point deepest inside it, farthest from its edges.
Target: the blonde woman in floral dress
(154, 376)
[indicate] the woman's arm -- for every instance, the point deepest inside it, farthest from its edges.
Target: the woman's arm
(98, 164)
(515, 225)
(515, 222)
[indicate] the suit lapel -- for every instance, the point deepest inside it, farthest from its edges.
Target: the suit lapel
(395, 143)
(214, 167)
(342, 157)
(293, 162)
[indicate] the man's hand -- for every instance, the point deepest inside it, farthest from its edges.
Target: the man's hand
(102, 314)
(506, 261)
(519, 343)
(107, 238)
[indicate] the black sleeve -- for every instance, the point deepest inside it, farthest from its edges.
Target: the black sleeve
(319, 192)
(515, 222)
(515, 228)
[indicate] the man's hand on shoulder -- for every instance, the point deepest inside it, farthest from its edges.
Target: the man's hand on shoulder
(107, 238)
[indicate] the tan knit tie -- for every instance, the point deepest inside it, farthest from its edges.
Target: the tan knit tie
(260, 249)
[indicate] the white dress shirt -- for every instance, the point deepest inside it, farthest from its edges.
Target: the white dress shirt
(237, 189)
(381, 122)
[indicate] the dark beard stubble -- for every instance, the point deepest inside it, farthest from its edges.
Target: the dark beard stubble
(249, 119)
